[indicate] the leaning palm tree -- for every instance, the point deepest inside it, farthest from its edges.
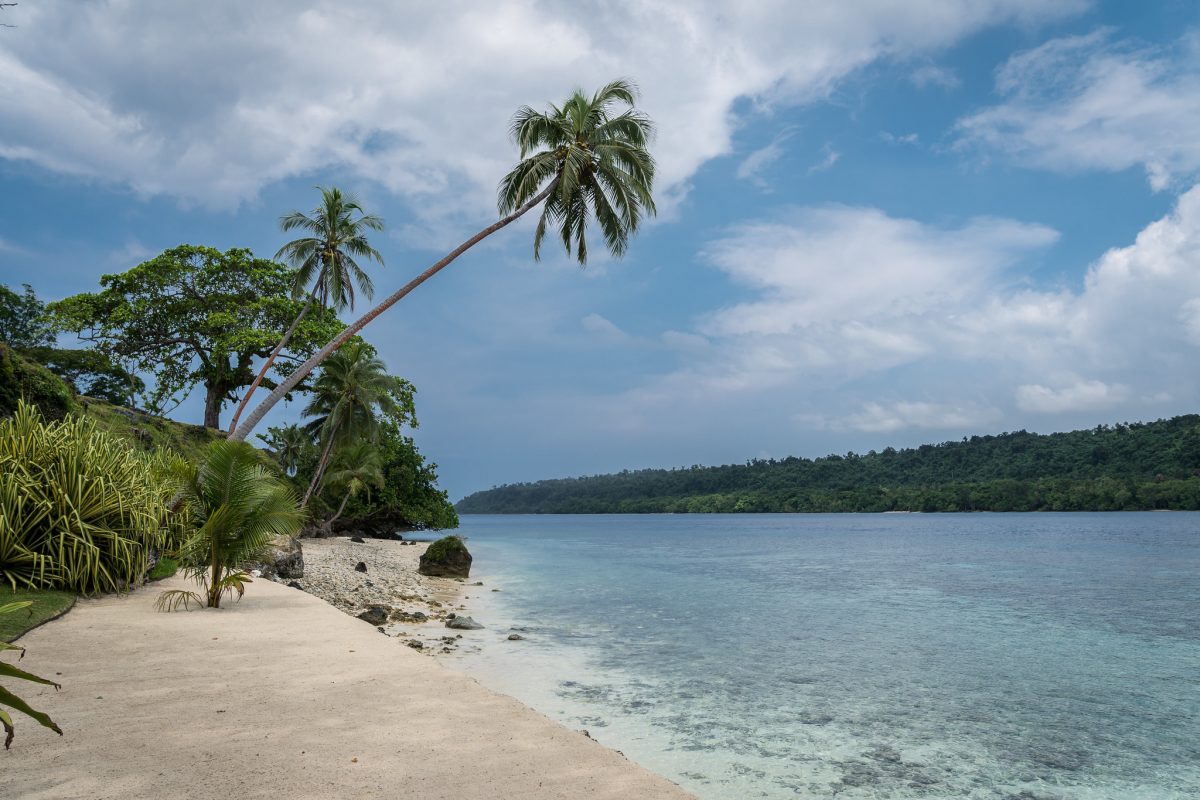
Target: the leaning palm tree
(586, 160)
(240, 507)
(357, 467)
(326, 260)
(351, 394)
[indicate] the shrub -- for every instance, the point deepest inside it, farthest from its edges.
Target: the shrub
(79, 508)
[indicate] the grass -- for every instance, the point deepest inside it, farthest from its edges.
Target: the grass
(47, 604)
(165, 568)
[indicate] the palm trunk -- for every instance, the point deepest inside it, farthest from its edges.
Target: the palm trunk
(319, 473)
(341, 508)
(304, 369)
(214, 594)
(274, 354)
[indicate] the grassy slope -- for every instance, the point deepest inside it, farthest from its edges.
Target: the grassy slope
(47, 604)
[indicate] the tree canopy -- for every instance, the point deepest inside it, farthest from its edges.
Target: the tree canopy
(196, 315)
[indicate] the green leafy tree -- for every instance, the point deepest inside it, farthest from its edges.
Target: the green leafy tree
(326, 259)
(353, 392)
(91, 372)
(194, 315)
(238, 507)
(23, 320)
(7, 698)
(586, 160)
(289, 445)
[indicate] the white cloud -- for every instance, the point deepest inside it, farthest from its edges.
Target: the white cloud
(933, 75)
(903, 415)
(1094, 103)
(604, 328)
(209, 102)
(1080, 395)
(752, 166)
(829, 157)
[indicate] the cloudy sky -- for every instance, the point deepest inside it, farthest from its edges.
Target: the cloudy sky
(882, 222)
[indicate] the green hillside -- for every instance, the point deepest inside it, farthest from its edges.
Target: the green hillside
(1153, 465)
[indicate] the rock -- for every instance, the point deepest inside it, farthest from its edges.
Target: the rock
(463, 624)
(358, 540)
(415, 644)
(360, 567)
(283, 557)
(295, 585)
(406, 616)
(495, 590)
(446, 558)
(477, 583)
(515, 637)
(375, 615)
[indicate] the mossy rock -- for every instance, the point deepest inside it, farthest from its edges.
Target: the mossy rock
(446, 558)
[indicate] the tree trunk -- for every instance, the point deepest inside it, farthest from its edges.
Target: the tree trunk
(319, 472)
(274, 354)
(213, 400)
(214, 594)
(341, 508)
(304, 369)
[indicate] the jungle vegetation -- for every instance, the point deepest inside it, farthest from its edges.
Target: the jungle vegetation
(1136, 466)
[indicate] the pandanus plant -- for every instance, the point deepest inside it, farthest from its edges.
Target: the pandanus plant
(584, 161)
(7, 698)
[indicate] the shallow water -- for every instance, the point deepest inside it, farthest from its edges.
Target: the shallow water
(858, 656)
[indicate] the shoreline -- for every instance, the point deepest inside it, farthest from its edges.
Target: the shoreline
(282, 684)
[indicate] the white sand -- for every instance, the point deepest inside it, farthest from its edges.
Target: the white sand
(281, 696)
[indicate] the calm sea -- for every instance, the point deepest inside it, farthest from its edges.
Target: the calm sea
(858, 656)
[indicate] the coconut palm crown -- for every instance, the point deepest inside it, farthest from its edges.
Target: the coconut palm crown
(599, 164)
(326, 258)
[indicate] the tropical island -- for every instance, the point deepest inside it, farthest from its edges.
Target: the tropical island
(1151, 466)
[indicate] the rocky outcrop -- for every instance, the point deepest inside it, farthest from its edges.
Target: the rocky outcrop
(283, 558)
(446, 558)
(376, 615)
(463, 624)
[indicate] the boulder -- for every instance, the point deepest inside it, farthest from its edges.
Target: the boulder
(515, 637)
(282, 558)
(358, 540)
(463, 624)
(375, 615)
(360, 567)
(446, 558)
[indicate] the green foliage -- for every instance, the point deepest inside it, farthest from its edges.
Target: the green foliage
(445, 547)
(79, 509)
(1124, 467)
(165, 567)
(238, 507)
(598, 160)
(44, 604)
(150, 433)
(23, 320)
(24, 379)
(195, 315)
(90, 372)
(327, 258)
(289, 445)
(7, 698)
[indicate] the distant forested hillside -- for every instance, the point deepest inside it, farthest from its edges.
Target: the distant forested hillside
(1137, 466)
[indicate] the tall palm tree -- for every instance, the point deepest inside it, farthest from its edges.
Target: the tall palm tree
(357, 467)
(326, 259)
(288, 445)
(349, 397)
(584, 160)
(240, 506)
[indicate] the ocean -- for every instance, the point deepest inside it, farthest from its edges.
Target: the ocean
(999, 656)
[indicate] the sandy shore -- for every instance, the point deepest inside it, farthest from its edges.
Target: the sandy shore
(282, 696)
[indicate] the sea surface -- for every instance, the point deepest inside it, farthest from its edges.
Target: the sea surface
(857, 656)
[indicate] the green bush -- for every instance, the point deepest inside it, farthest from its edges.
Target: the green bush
(79, 508)
(24, 379)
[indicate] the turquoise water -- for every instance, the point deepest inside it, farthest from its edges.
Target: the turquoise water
(858, 656)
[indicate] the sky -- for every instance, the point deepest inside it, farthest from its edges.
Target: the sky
(881, 222)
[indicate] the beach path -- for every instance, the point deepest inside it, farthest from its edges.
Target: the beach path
(280, 696)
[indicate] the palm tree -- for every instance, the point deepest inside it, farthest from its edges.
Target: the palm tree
(287, 444)
(583, 160)
(329, 255)
(353, 390)
(358, 466)
(240, 507)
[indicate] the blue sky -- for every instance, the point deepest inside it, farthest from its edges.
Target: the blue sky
(881, 222)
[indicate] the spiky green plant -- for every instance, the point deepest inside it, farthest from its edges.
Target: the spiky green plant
(79, 508)
(11, 700)
(238, 507)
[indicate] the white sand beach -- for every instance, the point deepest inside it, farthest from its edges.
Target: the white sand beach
(281, 696)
